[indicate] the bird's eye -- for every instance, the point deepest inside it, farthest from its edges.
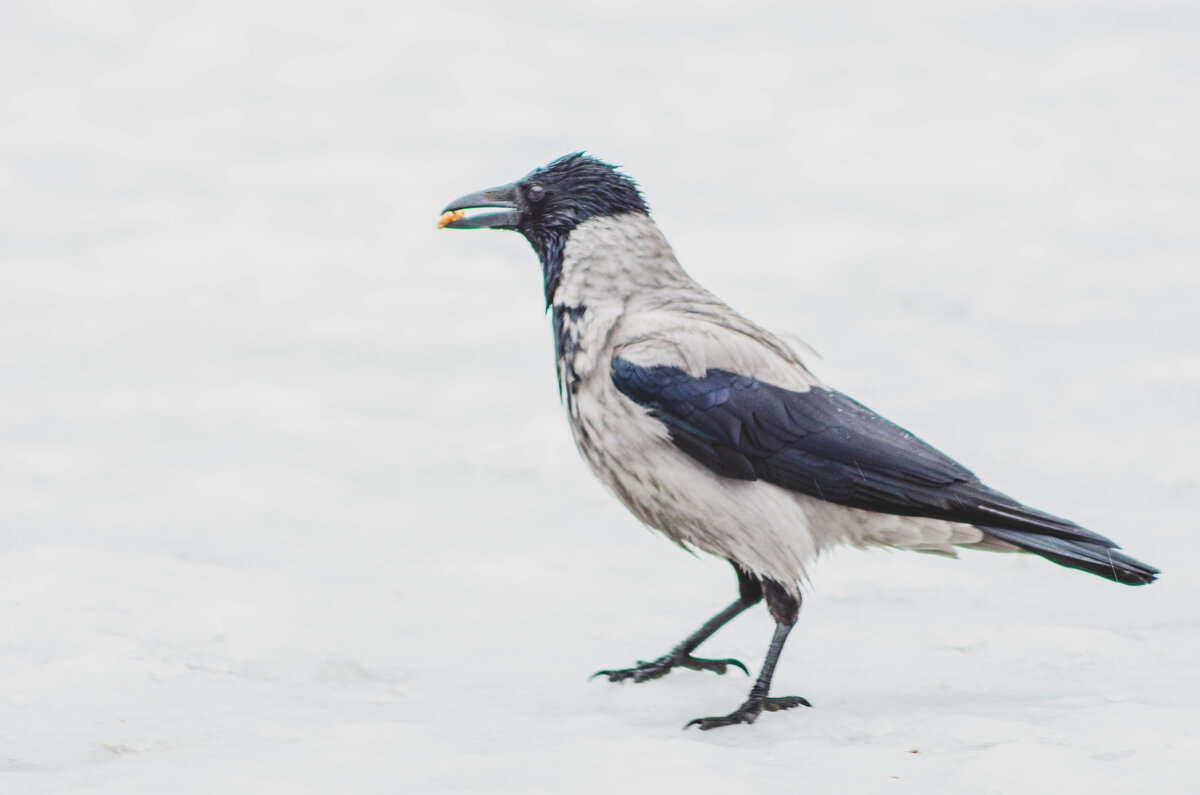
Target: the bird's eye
(536, 193)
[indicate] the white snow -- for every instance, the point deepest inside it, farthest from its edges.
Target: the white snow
(287, 503)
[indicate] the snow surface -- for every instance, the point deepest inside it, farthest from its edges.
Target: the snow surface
(287, 504)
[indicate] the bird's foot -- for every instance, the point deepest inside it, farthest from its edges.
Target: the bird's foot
(645, 671)
(749, 712)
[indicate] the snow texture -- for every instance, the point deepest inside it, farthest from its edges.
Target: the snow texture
(287, 500)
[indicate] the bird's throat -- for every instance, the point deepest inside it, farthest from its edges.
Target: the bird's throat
(549, 248)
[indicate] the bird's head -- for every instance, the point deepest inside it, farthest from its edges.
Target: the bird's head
(548, 204)
(549, 201)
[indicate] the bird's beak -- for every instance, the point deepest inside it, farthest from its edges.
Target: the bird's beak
(454, 217)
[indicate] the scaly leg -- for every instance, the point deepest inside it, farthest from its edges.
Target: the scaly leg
(784, 609)
(749, 593)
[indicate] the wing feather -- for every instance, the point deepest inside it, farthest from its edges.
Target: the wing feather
(822, 443)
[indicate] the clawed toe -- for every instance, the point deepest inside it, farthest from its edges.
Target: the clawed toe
(641, 673)
(645, 671)
(749, 712)
(780, 703)
(716, 666)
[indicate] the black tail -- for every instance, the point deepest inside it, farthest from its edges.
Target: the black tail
(1091, 553)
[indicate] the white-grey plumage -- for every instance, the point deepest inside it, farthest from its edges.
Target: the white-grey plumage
(642, 307)
(711, 429)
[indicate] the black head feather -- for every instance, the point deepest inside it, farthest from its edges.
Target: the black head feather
(556, 198)
(548, 203)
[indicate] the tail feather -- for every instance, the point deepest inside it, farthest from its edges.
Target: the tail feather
(1007, 512)
(1081, 552)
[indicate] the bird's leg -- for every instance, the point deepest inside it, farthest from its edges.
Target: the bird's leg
(784, 609)
(749, 594)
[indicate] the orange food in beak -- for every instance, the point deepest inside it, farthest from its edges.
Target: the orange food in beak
(450, 217)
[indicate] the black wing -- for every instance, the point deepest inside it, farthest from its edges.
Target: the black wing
(824, 444)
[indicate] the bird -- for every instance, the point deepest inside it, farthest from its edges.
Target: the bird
(713, 431)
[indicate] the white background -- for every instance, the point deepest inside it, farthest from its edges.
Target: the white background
(287, 504)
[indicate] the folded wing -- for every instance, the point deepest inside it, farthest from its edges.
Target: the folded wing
(822, 443)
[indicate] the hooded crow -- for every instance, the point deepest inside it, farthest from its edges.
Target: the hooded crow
(711, 430)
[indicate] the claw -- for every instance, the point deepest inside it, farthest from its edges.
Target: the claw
(645, 671)
(749, 712)
(712, 723)
(785, 702)
(718, 665)
(615, 675)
